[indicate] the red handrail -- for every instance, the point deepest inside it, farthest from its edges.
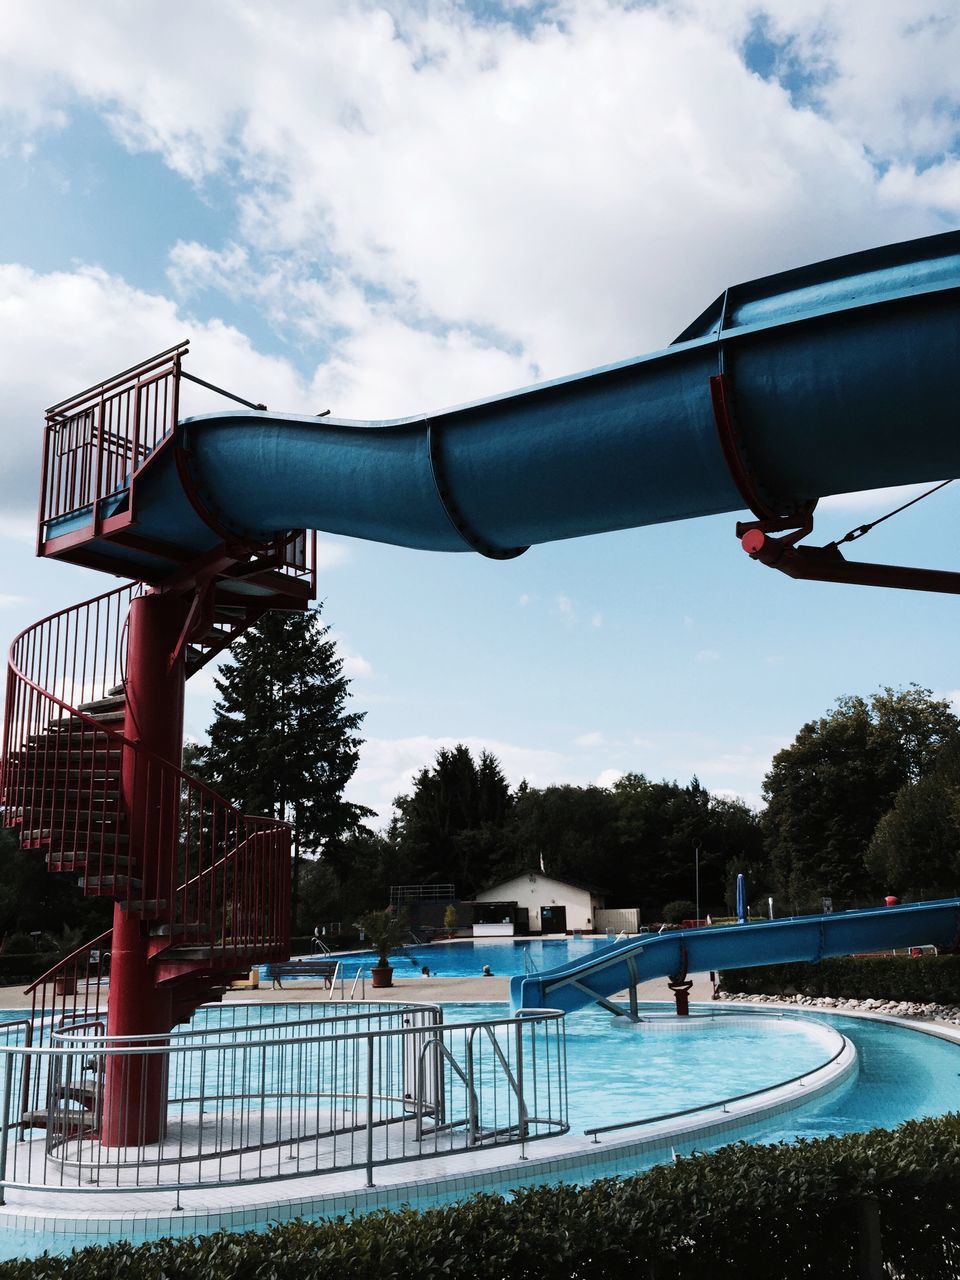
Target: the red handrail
(227, 886)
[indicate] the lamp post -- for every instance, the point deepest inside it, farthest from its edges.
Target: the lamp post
(696, 872)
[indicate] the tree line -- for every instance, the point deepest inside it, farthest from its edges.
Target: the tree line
(864, 802)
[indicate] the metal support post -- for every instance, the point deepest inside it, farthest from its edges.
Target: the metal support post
(134, 1110)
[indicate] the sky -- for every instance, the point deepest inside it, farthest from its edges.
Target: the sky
(385, 209)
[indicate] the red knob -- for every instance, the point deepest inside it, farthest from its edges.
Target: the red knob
(752, 541)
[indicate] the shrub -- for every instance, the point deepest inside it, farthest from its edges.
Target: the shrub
(919, 979)
(17, 969)
(744, 1211)
(20, 944)
(681, 909)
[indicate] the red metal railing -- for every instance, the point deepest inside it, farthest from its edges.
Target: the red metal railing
(61, 765)
(95, 442)
(204, 874)
(73, 990)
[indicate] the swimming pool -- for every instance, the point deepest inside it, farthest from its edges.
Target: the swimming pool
(506, 957)
(620, 1071)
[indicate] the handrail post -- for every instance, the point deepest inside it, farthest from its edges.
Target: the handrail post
(5, 1124)
(473, 1123)
(369, 1039)
(521, 1103)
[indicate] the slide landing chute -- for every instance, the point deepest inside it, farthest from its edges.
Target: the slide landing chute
(619, 967)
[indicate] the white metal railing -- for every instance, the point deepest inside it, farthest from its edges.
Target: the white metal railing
(252, 1098)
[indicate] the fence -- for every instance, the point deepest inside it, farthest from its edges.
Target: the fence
(619, 919)
(253, 1099)
(403, 893)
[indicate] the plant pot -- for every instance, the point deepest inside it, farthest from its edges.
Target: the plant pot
(382, 975)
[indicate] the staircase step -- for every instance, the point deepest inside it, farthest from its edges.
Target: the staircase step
(112, 884)
(97, 839)
(87, 798)
(111, 719)
(39, 759)
(145, 906)
(88, 1094)
(189, 953)
(61, 1116)
(107, 706)
(55, 772)
(73, 737)
(80, 858)
(183, 930)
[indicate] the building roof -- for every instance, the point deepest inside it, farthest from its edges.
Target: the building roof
(546, 875)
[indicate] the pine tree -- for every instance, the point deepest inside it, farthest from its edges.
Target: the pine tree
(282, 741)
(452, 825)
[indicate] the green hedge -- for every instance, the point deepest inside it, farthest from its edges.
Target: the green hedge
(920, 979)
(801, 1210)
(16, 970)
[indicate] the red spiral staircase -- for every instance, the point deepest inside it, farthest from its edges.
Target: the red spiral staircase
(93, 735)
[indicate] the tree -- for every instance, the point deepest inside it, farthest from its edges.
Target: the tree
(452, 825)
(828, 790)
(282, 741)
(915, 848)
(664, 831)
(34, 899)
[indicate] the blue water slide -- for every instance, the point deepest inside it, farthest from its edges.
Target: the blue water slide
(841, 376)
(622, 965)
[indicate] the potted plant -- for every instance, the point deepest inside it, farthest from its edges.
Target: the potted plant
(385, 932)
(451, 919)
(63, 946)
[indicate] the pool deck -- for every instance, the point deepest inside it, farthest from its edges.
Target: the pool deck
(440, 991)
(419, 989)
(92, 1216)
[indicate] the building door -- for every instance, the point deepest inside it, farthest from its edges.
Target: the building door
(553, 919)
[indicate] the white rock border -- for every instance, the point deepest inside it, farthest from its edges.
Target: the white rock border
(948, 1014)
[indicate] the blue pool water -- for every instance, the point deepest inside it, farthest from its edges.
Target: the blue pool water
(506, 957)
(903, 1074)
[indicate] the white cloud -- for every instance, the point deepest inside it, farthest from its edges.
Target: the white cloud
(355, 666)
(751, 799)
(875, 501)
(426, 191)
(938, 186)
(331, 553)
(707, 656)
(597, 620)
(565, 605)
(19, 529)
(608, 777)
(388, 766)
(594, 739)
(63, 331)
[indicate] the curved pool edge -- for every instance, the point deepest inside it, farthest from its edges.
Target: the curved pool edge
(570, 1157)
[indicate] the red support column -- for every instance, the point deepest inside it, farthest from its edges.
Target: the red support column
(135, 1085)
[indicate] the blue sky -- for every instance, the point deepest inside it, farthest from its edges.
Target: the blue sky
(387, 209)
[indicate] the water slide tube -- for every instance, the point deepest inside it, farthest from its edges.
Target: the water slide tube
(622, 965)
(842, 374)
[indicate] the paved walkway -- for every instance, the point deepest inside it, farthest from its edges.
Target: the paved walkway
(425, 990)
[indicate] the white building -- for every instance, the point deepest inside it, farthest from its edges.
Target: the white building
(550, 906)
